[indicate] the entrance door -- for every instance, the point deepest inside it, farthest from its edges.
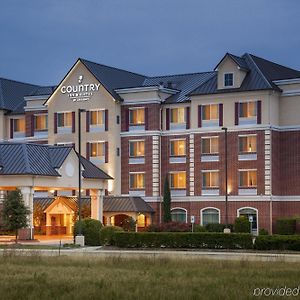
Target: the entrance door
(250, 212)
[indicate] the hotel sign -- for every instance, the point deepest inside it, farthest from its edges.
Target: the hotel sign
(81, 91)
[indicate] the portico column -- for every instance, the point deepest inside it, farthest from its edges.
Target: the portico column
(97, 205)
(27, 193)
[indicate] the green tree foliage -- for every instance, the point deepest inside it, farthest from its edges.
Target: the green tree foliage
(167, 201)
(15, 212)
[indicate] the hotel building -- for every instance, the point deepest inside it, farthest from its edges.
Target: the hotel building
(140, 129)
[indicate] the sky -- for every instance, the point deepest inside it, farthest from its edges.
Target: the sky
(41, 40)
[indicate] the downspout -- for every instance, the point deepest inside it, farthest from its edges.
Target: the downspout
(160, 151)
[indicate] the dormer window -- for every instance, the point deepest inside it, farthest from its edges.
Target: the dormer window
(228, 79)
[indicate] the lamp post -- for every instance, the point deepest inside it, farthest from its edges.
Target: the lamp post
(226, 230)
(79, 170)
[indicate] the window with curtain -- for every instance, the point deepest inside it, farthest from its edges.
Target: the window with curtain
(210, 112)
(97, 150)
(178, 215)
(178, 180)
(19, 125)
(97, 117)
(248, 178)
(178, 115)
(210, 216)
(136, 116)
(137, 148)
(64, 119)
(210, 145)
(247, 144)
(137, 180)
(40, 122)
(177, 147)
(210, 179)
(248, 109)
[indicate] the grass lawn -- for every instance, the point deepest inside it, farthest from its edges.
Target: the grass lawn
(37, 277)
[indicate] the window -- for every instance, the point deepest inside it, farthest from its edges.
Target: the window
(228, 79)
(178, 180)
(248, 109)
(210, 145)
(19, 125)
(64, 119)
(97, 150)
(40, 122)
(177, 147)
(247, 144)
(141, 220)
(249, 212)
(210, 216)
(248, 179)
(136, 116)
(210, 179)
(137, 180)
(210, 112)
(178, 115)
(97, 117)
(137, 148)
(178, 215)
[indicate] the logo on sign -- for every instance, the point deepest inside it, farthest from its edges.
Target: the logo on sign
(80, 92)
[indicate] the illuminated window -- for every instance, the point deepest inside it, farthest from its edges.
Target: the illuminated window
(177, 147)
(19, 125)
(228, 79)
(136, 116)
(210, 112)
(97, 150)
(178, 215)
(178, 180)
(141, 220)
(137, 180)
(248, 179)
(210, 216)
(97, 117)
(210, 145)
(64, 119)
(137, 148)
(247, 144)
(210, 179)
(40, 122)
(178, 115)
(248, 109)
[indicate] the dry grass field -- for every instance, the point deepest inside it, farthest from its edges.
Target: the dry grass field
(37, 277)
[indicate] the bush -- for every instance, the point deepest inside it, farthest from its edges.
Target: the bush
(91, 231)
(215, 227)
(170, 227)
(263, 231)
(199, 228)
(183, 240)
(242, 224)
(107, 234)
(277, 242)
(286, 226)
(129, 224)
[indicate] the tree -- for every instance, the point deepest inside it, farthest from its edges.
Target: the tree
(167, 201)
(15, 212)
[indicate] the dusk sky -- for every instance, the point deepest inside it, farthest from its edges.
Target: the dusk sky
(41, 40)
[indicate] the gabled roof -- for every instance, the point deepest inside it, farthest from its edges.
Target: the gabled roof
(113, 78)
(238, 60)
(12, 94)
(43, 160)
(125, 204)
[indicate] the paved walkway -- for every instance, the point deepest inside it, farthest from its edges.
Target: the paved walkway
(152, 254)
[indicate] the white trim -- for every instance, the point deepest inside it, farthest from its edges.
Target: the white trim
(290, 93)
(286, 81)
(36, 107)
(181, 208)
(209, 207)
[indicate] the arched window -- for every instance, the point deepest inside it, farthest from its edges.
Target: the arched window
(247, 212)
(178, 215)
(210, 215)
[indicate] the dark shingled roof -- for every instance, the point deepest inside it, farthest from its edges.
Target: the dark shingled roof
(43, 160)
(126, 204)
(12, 95)
(43, 91)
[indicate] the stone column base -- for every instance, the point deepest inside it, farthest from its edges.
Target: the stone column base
(79, 240)
(25, 234)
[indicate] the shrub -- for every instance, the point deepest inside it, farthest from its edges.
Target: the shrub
(263, 231)
(242, 224)
(107, 234)
(170, 227)
(183, 240)
(286, 226)
(90, 228)
(277, 242)
(129, 224)
(199, 228)
(215, 227)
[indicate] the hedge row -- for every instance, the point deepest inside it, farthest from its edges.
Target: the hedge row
(277, 242)
(202, 240)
